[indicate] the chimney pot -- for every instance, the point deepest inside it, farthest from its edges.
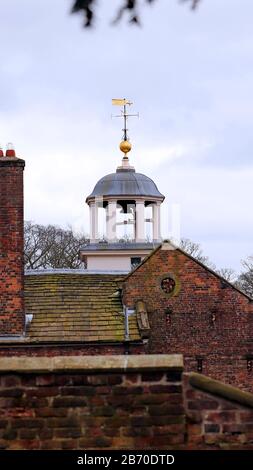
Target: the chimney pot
(10, 152)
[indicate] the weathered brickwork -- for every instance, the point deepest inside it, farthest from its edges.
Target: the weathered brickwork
(216, 423)
(70, 349)
(11, 246)
(138, 403)
(204, 318)
(107, 409)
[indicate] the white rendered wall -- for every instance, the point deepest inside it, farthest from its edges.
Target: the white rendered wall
(110, 263)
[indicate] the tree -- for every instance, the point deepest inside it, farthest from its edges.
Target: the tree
(245, 280)
(87, 7)
(195, 250)
(51, 247)
(228, 274)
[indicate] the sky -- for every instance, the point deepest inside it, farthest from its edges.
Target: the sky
(189, 76)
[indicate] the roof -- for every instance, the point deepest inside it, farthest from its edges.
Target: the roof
(119, 246)
(76, 308)
(171, 246)
(125, 183)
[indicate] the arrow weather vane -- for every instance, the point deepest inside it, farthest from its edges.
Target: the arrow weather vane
(124, 102)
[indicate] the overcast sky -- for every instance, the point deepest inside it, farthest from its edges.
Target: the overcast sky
(190, 76)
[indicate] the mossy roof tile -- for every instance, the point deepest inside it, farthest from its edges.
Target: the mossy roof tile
(75, 307)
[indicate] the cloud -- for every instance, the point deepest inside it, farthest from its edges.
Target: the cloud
(190, 78)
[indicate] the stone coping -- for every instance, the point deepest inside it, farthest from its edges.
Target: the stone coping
(215, 387)
(87, 272)
(112, 363)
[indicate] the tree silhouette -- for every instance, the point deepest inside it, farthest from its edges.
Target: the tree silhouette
(49, 246)
(245, 280)
(87, 7)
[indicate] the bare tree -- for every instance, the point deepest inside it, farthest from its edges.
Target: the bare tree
(245, 280)
(131, 7)
(51, 247)
(228, 274)
(195, 250)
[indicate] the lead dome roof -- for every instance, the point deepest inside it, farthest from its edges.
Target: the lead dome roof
(125, 183)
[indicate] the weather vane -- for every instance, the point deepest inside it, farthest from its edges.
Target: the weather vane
(125, 145)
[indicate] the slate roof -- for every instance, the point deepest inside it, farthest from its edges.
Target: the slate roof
(76, 308)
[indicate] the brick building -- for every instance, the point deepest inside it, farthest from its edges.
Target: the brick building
(170, 303)
(146, 348)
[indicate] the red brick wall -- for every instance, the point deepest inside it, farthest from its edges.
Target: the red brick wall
(203, 318)
(216, 423)
(11, 246)
(110, 410)
(134, 408)
(73, 350)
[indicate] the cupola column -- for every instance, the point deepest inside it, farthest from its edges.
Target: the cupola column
(156, 221)
(139, 221)
(93, 222)
(111, 221)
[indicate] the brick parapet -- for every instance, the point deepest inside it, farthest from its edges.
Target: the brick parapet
(218, 416)
(118, 402)
(107, 402)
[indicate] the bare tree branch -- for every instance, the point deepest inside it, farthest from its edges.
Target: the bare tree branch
(245, 280)
(228, 274)
(87, 7)
(195, 250)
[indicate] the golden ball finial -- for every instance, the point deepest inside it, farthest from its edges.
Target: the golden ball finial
(125, 146)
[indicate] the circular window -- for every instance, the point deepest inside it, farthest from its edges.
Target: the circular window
(168, 285)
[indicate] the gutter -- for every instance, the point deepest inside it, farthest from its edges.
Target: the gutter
(26, 344)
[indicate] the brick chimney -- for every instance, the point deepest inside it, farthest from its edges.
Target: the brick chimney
(12, 315)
